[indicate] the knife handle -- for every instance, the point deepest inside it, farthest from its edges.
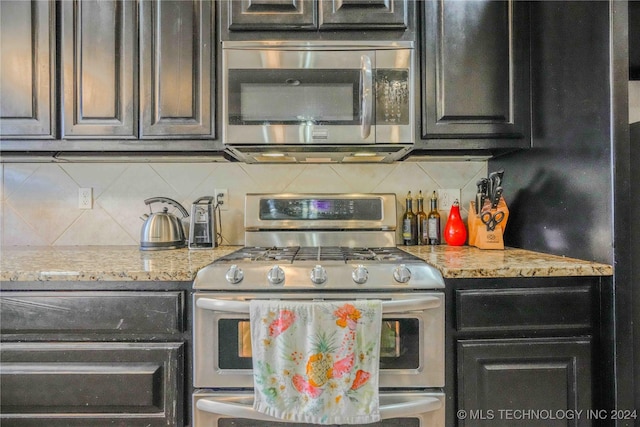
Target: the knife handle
(496, 197)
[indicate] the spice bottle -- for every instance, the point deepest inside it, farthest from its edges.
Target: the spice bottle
(409, 227)
(433, 222)
(421, 221)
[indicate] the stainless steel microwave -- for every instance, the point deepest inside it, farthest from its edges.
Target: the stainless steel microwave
(289, 97)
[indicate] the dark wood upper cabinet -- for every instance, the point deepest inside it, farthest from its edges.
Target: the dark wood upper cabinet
(27, 69)
(475, 70)
(176, 69)
(311, 15)
(113, 90)
(634, 37)
(356, 14)
(271, 14)
(99, 69)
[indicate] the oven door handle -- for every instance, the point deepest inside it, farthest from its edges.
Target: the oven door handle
(395, 410)
(392, 306)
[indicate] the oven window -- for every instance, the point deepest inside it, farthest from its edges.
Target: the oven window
(242, 422)
(294, 96)
(399, 344)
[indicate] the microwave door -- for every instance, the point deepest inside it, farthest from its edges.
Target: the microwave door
(299, 97)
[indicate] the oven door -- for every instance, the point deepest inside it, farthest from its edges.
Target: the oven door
(408, 409)
(411, 345)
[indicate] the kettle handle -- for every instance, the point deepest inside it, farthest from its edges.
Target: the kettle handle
(172, 202)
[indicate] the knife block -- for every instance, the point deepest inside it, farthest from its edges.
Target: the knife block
(479, 236)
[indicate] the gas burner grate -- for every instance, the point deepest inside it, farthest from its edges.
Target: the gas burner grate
(291, 254)
(320, 253)
(285, 254)
(389, 254)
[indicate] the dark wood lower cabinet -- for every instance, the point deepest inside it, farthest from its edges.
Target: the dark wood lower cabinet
(524, 352)
(97, 384)
(528, 382)
(95, 354)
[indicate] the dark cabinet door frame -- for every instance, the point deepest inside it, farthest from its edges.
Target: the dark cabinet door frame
(27, 70)
(176, 69)
(99, 69)
(475, 66)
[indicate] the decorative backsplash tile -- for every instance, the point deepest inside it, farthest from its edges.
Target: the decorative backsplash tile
(39, 201)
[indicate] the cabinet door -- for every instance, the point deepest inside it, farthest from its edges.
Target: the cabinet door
(475, 69)
(27, 69)
(91, 384)
(358, 14)
(496, 378)
(271, 14)
(99, 69)
(176, 70)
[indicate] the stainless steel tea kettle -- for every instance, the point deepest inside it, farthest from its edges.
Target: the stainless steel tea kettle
(162, 230)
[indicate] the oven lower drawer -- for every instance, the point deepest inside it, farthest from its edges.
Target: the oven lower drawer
(226, 409)
(411, 346)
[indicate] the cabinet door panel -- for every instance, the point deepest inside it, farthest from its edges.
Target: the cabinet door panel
(176, 68)
(271, 14)
(476, 69)
(80, 384)
(99, 69)
(357, 14)
(27, 69)
(495, 376)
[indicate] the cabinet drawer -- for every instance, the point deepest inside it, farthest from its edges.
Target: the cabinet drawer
(79, 312)
(523, 309)
(96, 384)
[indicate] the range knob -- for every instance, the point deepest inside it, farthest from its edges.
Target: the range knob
(275, 275)
(318, 275)
(234, 274)
(360, 274)
(402, 274)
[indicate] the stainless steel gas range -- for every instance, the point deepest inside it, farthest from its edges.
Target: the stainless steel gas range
(320, 247)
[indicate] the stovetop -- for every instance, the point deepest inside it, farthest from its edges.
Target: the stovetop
(294, 268)
(293, 254)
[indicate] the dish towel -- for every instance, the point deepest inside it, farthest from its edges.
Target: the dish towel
(316, 362)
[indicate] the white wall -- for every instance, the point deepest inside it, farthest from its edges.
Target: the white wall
(39, 201)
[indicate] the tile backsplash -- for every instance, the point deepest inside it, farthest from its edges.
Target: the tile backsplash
(39, 201)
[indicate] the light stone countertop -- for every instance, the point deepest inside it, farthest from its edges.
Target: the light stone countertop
(128, 263)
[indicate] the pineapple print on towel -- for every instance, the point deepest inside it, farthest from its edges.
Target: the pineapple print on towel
(317, 362)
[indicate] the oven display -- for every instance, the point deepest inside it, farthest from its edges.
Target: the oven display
(324, 209)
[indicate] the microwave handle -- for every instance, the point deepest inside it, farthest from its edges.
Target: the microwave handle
(392, 306)
(366, 81)
(395, 410)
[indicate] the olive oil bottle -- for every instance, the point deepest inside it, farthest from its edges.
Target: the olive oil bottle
(409, 226)
(421, 221)
(433, 222)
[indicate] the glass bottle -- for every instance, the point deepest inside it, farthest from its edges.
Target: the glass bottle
(433, 222)
(409, 228)
(455, 232)
(421, 221)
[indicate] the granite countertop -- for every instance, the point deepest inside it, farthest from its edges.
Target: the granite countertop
(128, 263)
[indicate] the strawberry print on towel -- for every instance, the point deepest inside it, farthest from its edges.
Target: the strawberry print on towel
(317, 362)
